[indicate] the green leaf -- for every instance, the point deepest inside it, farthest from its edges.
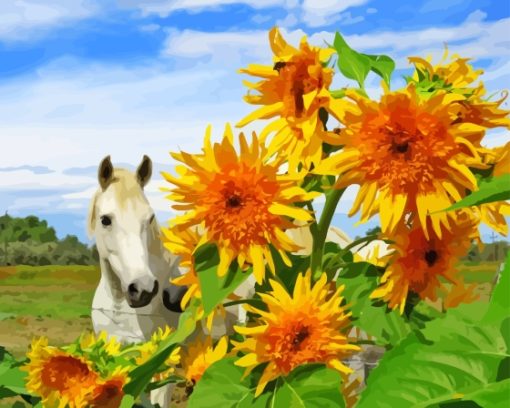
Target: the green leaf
(351, 63)
(383, 66)
(222, 385)
(495, 189)
(142, 375)
(206, 265)
(311, 385)
(499, 306)
(12, 379)
(494, 395)
(450, 357)
(337, 93)
(387, 326)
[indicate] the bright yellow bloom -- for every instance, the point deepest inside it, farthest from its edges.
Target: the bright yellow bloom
(59, 378)
(89, 340)
(293, 89)
(109, 392)
(146, 350)
(407, 156)
(183, 242)
(419, 262)
(458, 76)
(239, 200)
(199, 355)
(493, 214)
(307, 327)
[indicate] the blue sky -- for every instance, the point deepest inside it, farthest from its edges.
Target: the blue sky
(80, 79)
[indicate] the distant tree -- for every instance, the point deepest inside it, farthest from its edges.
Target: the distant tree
(32, 241)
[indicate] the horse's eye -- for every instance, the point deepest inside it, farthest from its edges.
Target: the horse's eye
(151, 218)
(105, 220)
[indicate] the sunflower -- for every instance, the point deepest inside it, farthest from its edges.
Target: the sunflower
(59, 378)
(198, 356)
(307, 327)
(182, 242)
(148, 349)
(458, 76)
(240, 201)
(109, 392)
(407, 156)
(90, 340)
(493, 214)
(293, 89)
(419, 262)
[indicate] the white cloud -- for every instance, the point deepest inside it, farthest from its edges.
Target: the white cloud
(290, 20)
(20, 19)
(325, 12)
(226, 47)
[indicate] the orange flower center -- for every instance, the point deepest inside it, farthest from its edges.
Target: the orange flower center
(197, 369)
(109, 394)
(403, 147)
(63, 373)
(237, 206)
(423, 260)
(292, 342)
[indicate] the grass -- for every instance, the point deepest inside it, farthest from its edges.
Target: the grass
(53, 301)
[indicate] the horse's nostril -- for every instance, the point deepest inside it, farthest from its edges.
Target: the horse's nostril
(156, 288)
(132, 289)
(172, 297)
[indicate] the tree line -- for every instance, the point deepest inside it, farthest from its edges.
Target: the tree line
(31, 241)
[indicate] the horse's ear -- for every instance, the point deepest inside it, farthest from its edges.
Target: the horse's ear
(105, 172)
(144, 171)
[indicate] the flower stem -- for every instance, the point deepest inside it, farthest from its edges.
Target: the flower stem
(313, 226)
(322, 231)
(366, 240)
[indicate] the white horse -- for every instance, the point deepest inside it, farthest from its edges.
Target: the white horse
(128, 302)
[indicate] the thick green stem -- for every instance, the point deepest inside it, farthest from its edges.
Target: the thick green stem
(322, 231)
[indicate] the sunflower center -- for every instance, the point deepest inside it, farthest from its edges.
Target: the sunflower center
(61, 372)
(399, 141)
(301, 335)
(431, 257)
(234, 201)
(279, 65)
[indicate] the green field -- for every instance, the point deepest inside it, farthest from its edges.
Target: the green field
(55, 301)
(52, 301)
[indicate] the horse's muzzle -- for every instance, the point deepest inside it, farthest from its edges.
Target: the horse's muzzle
(137, 297)
(172, 297)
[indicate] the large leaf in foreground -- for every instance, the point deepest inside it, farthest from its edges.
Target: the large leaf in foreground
(496, 189)
(216, 288)
(461, 357)
(387, 326)
(307, 386)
